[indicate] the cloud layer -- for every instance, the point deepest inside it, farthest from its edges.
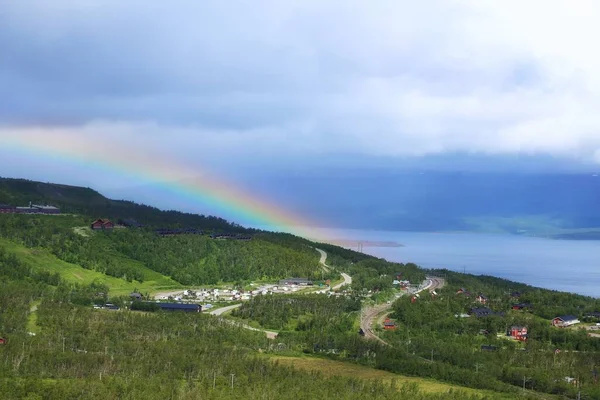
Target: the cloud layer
(248, 78)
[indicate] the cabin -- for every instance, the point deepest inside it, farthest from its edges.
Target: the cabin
(180, 307)
(482, 299)
(522, 306)
(389, 325)
(565, 321)
(515, 295)
(2, 340)
(518, 333)
(296, 281)
(102, 224)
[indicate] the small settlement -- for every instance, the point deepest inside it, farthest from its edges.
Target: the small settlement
(31, 209)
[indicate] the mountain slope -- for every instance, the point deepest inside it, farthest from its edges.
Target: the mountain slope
(86, 201)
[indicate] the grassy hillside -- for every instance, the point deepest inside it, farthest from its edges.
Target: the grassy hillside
(42, 260)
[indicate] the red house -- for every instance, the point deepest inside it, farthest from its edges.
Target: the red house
(518, 333)
(102, 224)
(2, 340)
(389, 325)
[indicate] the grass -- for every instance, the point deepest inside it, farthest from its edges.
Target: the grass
(331, 368)
(43, 260)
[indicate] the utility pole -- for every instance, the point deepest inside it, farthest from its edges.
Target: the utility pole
(477, 366)
(214, 379)
(232, 375)
(431, 355)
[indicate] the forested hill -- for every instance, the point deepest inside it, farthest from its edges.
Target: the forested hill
(146, 258)
(88, 202)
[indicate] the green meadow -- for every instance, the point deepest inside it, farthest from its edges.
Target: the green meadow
(43, 260)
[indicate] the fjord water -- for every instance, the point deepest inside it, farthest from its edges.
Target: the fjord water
(565, 265)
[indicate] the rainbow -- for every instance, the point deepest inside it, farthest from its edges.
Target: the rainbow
(191, 183)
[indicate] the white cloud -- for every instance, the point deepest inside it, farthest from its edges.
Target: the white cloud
(379, 78)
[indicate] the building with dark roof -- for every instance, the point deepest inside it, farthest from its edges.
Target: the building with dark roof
(180, 307)
(565, 320)
(296, 281)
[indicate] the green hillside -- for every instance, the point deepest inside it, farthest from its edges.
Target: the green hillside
(86, 201)
(55, 345)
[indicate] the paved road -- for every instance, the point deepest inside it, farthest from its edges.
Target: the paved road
(323, 261)
(223, 310)
(347, 281)
(369, 315)
(220, 311)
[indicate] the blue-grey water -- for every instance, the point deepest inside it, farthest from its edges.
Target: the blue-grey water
(566, 265)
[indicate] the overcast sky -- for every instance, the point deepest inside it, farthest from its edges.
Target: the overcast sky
(265, 84)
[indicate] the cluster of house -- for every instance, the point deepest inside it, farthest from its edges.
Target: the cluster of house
(102, 224)
(519, 332)
(205, 295)
(31, 209)
(296, 281)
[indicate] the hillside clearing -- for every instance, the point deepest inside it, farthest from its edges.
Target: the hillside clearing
(343, 369)
(42, 260)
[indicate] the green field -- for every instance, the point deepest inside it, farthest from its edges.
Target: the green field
(331, 368)
(42, 260)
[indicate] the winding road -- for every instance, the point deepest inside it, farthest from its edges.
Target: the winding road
(370, 314)
(327, 268)
(270, 334)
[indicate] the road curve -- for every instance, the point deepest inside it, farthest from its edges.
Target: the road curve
(347, 281)
(323, 262)
(370, 314)
(220, 311)
(223, 310)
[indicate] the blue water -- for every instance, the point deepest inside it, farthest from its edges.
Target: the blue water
(566, 265)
